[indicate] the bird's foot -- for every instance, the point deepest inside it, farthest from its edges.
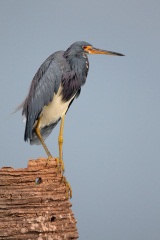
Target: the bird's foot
(49, 157)
(68, 188)
(57, 164)
(60, 166)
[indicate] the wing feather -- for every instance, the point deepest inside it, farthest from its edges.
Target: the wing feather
(45, 83)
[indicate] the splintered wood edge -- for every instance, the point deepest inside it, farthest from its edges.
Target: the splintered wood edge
(42, 162)
(36, 164)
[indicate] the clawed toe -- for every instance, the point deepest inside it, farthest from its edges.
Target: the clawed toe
(68, 188)
(60, 166)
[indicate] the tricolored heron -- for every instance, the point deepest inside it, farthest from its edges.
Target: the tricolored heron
(53, 89)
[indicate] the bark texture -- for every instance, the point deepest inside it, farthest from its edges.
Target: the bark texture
(34, 205)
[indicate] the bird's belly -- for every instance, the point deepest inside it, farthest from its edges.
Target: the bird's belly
(55, 110)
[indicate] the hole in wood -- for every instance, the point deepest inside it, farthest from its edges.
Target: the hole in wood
(53, 219)
(38, 180)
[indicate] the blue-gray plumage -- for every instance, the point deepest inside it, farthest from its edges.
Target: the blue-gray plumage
(54, 87)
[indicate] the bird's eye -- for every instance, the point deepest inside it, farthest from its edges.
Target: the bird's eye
(87, 48)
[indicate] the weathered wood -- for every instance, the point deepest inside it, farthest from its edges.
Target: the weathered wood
(33, 203)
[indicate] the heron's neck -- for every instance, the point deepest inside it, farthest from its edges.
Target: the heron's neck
(80, 64)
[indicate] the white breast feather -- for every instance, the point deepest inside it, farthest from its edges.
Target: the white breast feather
(55, 109)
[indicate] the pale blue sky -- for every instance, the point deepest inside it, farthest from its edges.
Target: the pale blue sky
(112, 131)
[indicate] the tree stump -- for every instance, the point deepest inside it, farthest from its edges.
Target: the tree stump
(33, 203)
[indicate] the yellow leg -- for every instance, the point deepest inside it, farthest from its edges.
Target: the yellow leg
(38, 133)
(60, 143)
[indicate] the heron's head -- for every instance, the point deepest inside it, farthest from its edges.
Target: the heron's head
(84, 47)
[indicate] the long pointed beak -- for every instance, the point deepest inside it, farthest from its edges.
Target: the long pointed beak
(93, 50)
